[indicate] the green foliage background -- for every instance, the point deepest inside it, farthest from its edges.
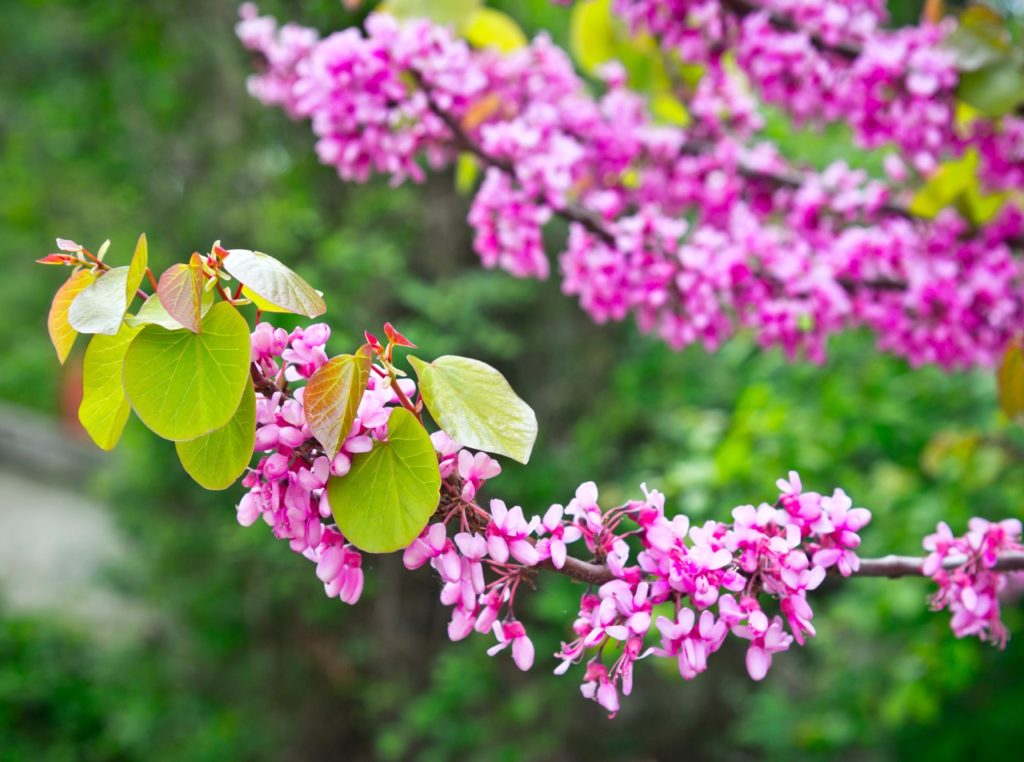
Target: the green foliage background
(122, 117)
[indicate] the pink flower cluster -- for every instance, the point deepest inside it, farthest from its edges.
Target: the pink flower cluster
(687, 230)
(823, 61)
(713, 578)
(286, 488)
(969, 585)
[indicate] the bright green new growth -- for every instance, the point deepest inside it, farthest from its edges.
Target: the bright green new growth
(217, 459)
(183, 385)
(475, 405)
(391, 492)
(104, 409)
(270, 280)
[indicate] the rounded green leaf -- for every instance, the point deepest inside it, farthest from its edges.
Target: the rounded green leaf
(475, 405)
(332, 397)
(100, 307)
(183, 384)
(270, 280)
(391, 492)
(217, 459)
(104, 409)
(62, 335)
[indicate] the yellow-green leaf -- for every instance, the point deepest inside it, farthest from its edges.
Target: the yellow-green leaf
(100, 307)
(183, 384)
(270, 280)
(217, 459)
(62, 335)
(391, 492)
(104, 409)
(180, 290)
(488, 27)
(137, 268)
(1011, 381)
(591, 34)
(475, 405)
(455, 12)
(332, 397)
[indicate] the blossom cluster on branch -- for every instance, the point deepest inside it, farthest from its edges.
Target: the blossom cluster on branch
(697, 232)
(658, 586)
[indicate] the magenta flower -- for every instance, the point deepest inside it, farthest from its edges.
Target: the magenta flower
(513, 633)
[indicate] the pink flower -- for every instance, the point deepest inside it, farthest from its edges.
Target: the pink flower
(515, 634)
(475, 470)
(507, 534)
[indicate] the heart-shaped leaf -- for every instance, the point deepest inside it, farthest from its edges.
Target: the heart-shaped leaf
(332, 396)
(62, 335)
(100, 307)
(180, 289)
(475, 405)
(274, 283)
(217, 459)
(391, 492)
(183, 384)
(104, 409)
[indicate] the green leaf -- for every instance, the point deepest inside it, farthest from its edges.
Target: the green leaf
(270, 280)
(391, 492)
(475, 405)
(153, 312)
(454, 12)
(980, 39)
(488, 27)
(217, 459)
(592, 37)
(100, 307)
(182, 384)
(104, 409)
(332, 396)
(467, 169)
(62, 335)
(137, 268)
(994, 90)
(1011, 381)
(180, 290)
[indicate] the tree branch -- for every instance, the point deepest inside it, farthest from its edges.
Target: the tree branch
(891, 566)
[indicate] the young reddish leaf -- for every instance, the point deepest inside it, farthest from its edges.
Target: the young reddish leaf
(152, 311)
(1011, 381)
(396, 338)
(57, 259)
(137, 268)
(100, 307)
(65, 244)
(332, 398)
(270, 280)
(61, 333)
(180, 290)
(391, 492)
(104, 409)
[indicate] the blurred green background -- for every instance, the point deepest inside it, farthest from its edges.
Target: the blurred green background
(192, 638)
